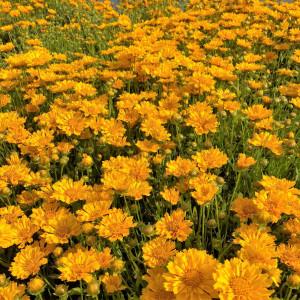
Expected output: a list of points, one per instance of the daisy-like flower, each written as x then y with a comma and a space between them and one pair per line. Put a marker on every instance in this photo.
116, 225
173, 226
180, 167
290, 255
204, 192
22, 231
69, 191
158, 251
190, 275
238, 279
257, 112
112, 283
171, 195
5, 237
13, 291
209, 159
61, 228
245, 162
79, 264
155, 288
27, 262
10, 213
93, 211
267, 140
244, 208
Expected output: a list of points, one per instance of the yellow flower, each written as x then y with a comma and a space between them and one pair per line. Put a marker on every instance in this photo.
69, 191
244, 208
79, 264
27, 262
241, 280
61, 228
155, 289
116, 225
174, 227
190, 275
112, 283
22, 231
209, 159
245, 162
5, 237
158, 251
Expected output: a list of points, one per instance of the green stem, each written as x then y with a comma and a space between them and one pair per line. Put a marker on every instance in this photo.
81, 290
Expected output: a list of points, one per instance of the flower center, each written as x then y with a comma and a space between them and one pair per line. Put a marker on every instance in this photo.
173, 226
240, 286
63, 232
193, 278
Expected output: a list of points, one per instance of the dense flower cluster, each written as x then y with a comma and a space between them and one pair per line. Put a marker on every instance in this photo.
149, 150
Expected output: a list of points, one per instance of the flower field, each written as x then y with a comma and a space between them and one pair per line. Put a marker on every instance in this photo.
149, 150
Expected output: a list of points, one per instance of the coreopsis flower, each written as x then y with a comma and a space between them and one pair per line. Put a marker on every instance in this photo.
245, 162
155, 288
290, 255
112, 283
27, 262
190, 275
171, 195
204, 192
257, 112
7, 47
293, 226
209, 159
10, 213
272, 183
12, 290
85, 89
264, 257
237, 279
49, 210
147, 146
273, 202
93, 211
245, 208
116, 225
200, 117
79, 264
153, 127
22, 231
5, 237
180, 167
202, 82
61, 228
267, 140
158, 251
173, 226
248, 234
69, 191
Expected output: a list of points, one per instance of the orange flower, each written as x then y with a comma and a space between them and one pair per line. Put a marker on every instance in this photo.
245, 162
173, 226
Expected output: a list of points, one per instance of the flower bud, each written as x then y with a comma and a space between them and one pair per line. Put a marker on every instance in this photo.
117, 265
2, 280
35, 285
293, 281
61, 290
148, 230
93, 288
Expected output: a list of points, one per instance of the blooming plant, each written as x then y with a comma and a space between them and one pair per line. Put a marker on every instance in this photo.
149, 150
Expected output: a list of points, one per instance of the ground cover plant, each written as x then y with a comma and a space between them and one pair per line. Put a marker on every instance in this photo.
149, 150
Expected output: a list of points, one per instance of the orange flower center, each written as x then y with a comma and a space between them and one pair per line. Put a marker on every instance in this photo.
240, 286
193, 278
63, 232
173, 226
